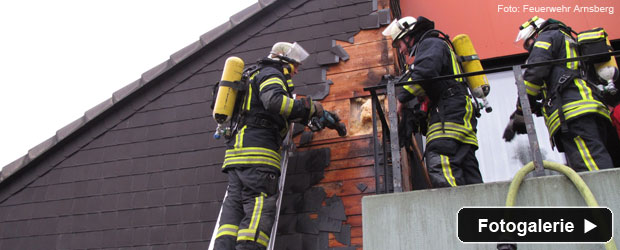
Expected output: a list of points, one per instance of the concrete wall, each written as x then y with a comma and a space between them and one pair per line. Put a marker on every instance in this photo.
427, 219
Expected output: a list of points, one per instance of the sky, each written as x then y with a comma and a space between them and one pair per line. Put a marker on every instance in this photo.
60, 58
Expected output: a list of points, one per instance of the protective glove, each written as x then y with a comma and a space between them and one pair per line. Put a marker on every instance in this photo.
516, 125
536, 107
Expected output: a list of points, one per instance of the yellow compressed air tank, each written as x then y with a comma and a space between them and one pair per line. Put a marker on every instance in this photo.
479, 84
608, 71
227, 92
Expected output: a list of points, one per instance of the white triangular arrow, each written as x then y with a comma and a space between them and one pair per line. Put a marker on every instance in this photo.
587, 226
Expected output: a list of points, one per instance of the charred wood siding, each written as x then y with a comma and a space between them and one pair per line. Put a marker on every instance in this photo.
352, 157
144, 170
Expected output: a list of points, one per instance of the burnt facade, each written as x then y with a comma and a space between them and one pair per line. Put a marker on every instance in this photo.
142, 170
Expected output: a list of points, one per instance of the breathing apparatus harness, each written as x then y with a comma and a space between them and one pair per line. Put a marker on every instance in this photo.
238, 116
421, 109
567, 75
451, 91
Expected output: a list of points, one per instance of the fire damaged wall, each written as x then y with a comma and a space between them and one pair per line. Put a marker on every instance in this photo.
142, 170
308, 215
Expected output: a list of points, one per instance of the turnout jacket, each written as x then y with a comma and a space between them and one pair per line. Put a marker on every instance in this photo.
560, 85
268, 108
451, 113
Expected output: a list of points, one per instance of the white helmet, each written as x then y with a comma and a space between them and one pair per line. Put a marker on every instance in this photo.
528, 28
288, 51
399, 27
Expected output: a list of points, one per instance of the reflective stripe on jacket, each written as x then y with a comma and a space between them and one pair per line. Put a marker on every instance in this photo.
560, 84
268, 108
435, 58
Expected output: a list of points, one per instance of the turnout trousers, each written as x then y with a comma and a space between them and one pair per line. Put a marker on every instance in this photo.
451, 163
248, 212
590, 144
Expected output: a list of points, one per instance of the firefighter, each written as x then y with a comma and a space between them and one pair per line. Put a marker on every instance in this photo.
252, 160
451, 132
577, 120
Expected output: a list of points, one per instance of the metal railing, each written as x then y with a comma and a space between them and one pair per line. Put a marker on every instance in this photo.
390, 133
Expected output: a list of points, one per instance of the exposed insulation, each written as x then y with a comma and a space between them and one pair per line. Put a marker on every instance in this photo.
360, 121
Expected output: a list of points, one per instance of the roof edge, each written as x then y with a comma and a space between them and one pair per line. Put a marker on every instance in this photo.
126, 91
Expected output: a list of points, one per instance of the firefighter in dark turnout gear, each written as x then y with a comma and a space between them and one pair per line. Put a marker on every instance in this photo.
577, 120
252, 159
451, 132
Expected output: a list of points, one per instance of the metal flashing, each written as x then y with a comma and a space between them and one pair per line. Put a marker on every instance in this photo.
246, 13
42, 147
70, 128
184, 53
156, 71
100, 108
265, 3
213, 34
126, 91
13, 167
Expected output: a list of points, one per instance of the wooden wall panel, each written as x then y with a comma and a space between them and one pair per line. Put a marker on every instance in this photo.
363, 56
349, 186
351, 84
352, 161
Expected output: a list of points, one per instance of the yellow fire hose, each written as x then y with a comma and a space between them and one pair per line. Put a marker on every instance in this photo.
587, 195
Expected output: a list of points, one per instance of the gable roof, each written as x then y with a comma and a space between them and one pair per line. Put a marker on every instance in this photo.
143, 169
124, 92
312, 75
